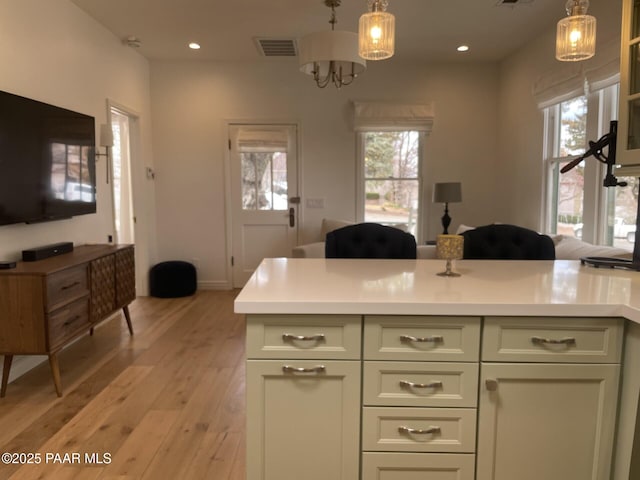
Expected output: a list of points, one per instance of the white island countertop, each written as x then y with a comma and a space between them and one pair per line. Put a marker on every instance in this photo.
411, 287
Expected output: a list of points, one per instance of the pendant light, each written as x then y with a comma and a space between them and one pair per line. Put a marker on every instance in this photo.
331, 56
376, 37
576, 34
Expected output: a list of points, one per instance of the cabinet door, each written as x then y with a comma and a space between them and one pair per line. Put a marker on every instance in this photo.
546, 421
628, 148
303, 425
103, 291
125, 277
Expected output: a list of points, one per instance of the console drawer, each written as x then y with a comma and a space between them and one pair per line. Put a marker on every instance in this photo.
418, 338
561, 340
304, 336
398, 429
66, 285
67, 321
414, 384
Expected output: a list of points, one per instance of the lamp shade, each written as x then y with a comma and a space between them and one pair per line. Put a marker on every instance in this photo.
448, 192
376, 35
106, 135
336, 46
576, 34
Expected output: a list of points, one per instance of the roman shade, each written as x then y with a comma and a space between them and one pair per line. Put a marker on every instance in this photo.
381, 116
569, 80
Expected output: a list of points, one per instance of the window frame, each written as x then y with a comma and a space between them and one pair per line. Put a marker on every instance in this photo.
360, 175
602, 107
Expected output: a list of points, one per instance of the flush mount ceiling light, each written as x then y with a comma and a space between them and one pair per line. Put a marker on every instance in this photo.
194, 46
463, 48
377, 32
576, 34
331, 56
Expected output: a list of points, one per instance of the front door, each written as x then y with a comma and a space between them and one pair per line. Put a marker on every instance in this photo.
264, 195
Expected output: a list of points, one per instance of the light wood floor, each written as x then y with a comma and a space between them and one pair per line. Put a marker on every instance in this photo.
167, 403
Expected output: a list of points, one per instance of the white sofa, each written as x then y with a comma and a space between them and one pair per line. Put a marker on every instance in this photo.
567, 248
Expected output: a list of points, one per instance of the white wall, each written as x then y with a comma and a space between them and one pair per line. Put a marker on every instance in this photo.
53, 52
192, 102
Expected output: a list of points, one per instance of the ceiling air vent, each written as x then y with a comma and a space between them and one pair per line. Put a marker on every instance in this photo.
276, 47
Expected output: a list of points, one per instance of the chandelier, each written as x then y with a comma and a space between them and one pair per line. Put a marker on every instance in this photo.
331, 56
576, 34
377, 31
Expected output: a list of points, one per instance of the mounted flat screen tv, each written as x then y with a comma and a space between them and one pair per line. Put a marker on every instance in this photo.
47, 161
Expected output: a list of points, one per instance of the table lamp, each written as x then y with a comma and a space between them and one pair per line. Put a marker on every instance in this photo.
449, 247
449, 192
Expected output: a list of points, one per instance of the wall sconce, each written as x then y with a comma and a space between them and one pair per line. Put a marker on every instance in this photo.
106, 140
576, 34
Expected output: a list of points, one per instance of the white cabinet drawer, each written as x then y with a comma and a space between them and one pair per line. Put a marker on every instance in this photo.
418, 338
563, 340
414, 384
304, 336
413, 466
401, 429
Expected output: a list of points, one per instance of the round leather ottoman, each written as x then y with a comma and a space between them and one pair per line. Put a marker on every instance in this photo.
172, 279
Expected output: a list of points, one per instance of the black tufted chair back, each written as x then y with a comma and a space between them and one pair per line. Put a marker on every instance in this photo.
369, 240
507, 242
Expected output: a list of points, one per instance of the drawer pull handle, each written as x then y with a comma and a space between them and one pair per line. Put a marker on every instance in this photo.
418, 431
71, 285
303, 338
569, 341
431, 339
436, 384
290, 369
71, 320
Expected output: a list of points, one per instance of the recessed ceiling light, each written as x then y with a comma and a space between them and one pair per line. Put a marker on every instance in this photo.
194, 46
463, 48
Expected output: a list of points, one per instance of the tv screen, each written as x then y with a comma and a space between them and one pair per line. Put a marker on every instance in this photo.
47, 161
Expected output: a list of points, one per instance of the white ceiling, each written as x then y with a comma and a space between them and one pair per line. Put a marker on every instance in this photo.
426, 30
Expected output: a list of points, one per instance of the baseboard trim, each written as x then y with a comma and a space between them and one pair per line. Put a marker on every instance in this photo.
214, 285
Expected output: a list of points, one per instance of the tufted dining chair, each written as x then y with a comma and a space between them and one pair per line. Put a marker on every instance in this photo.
369, 240
507, 242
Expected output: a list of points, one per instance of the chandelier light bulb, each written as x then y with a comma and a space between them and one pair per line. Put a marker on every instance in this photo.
375, 33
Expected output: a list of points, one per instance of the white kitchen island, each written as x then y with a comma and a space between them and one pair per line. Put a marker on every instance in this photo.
380, 369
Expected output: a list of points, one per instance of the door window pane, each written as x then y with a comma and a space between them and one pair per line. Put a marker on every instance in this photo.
264, 180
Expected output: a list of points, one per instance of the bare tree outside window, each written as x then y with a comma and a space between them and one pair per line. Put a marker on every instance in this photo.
391, 180
264, 180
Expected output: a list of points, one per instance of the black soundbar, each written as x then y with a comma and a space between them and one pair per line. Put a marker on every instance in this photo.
46, 251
